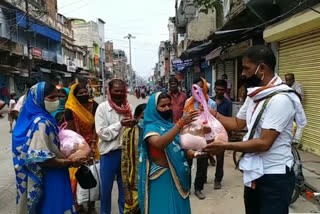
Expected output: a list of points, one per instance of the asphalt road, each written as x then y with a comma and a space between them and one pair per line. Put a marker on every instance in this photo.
228, 200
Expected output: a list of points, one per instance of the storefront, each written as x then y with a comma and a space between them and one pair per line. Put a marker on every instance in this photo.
227, 63
298, 38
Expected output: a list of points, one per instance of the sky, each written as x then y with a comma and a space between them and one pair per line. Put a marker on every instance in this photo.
147, 20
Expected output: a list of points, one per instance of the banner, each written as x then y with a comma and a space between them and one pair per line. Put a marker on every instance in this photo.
180, 65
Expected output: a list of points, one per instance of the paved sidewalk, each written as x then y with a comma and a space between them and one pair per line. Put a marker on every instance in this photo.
311, 170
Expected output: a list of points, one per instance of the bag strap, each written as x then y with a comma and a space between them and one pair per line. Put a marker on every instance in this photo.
254, 127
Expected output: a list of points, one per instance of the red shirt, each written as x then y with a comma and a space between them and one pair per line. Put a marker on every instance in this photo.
177, 103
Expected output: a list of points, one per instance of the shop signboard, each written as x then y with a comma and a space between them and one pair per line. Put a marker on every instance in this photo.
71, 66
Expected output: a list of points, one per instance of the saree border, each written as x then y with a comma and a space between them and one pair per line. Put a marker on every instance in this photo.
149, 134
183, 193
146, 194
157, 174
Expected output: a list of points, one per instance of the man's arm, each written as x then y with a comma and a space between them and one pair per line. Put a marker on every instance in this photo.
261, 144
229, 123
278, 116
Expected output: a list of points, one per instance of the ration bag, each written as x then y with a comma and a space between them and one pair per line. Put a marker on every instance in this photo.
72, 145
205, 129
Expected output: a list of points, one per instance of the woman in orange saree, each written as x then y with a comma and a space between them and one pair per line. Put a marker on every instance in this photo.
79, 115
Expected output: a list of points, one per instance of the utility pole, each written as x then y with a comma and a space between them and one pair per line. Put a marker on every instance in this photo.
28, 38
129, 37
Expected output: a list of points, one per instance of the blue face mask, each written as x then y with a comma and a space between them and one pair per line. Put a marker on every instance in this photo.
62, 102
140, 124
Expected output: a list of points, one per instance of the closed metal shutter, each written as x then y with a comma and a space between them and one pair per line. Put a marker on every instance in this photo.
301, 55
220, 71
229, 70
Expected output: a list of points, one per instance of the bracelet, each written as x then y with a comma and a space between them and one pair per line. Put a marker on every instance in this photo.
180, 123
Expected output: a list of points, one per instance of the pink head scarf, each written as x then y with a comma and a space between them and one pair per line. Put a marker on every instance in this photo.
125, 108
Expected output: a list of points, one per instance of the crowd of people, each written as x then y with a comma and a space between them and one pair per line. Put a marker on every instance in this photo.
141, 149
141, 92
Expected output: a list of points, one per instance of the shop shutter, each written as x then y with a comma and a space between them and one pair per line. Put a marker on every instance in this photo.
220, 71
301, 55
229, 70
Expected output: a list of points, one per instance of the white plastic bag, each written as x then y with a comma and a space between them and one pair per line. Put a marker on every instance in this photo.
86, 195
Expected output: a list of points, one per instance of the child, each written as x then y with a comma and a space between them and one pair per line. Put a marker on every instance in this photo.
12, 116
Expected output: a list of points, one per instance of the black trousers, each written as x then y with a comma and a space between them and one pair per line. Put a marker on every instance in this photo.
202, 169
272, 194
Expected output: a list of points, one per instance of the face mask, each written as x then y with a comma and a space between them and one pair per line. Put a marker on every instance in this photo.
51, 106
83, 99
254, 80
220, 96
140, 124
167, 115
62, 101
117, 98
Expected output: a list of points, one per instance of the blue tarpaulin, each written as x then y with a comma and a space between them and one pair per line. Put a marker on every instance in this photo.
38, 28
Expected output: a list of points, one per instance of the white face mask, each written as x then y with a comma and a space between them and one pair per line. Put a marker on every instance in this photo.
51, 106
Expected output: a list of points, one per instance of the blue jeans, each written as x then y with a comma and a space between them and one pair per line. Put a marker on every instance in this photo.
272, 194
110, 166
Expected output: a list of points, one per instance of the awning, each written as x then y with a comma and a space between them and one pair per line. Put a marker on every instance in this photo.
65, 74
24, 73
45, 70
9, 69
38, 27
198, 51
217, 39
82, 72
298, 24
214, 54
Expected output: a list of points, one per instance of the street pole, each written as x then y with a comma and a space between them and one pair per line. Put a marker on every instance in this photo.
28, 38
103, 83
129, 37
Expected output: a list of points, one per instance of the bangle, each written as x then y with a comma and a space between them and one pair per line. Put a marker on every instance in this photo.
180, 123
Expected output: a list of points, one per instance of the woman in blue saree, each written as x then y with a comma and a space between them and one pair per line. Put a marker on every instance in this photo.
42, 177
163, 181
63, 97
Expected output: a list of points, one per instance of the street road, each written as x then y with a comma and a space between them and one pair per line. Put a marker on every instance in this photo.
228, 200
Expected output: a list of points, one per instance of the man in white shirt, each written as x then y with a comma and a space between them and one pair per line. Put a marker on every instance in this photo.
111, 116
291, 82
267, 164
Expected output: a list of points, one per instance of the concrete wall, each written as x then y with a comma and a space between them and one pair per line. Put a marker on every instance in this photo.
51, 6
201, 27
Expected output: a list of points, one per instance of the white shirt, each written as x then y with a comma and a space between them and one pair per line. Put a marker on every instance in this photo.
298, 88
278, 115
11, 104
19, 104
108, 128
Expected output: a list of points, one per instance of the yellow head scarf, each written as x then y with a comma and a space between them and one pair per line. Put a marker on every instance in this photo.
190, 105
75, 106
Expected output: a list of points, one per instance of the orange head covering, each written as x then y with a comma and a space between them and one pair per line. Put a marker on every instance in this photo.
190, 105
75, 106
